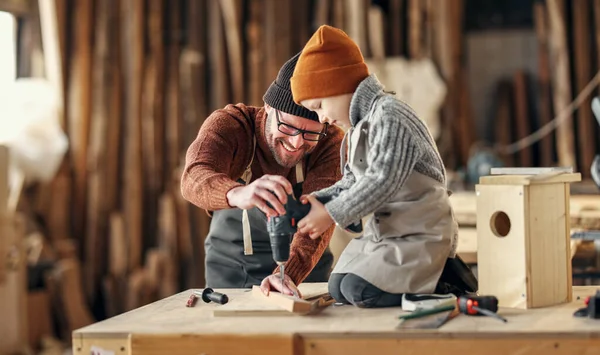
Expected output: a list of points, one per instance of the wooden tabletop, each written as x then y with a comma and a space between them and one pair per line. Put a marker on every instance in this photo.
168, 326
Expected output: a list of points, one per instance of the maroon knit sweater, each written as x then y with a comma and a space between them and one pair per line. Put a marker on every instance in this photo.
222, 151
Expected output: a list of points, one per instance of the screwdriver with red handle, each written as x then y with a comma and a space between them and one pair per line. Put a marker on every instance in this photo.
479, 305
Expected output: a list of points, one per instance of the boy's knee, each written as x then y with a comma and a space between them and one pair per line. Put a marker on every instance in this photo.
334, 286
358, 291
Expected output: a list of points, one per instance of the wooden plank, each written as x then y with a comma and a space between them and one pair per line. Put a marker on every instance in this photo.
549, 238
17, 7
4, 168
133, 59
540, 16
232, 13
529, 179
115, 136
79, 108
497, 276
13, 290
173, 119
528, 170
582, 56
357, 11
97, 215
395, 20
219, 94
288, 303
521, 116
561, 81
256, 57
503, 120
415, 19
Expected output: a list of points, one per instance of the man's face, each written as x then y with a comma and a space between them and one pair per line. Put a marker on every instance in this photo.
288, 149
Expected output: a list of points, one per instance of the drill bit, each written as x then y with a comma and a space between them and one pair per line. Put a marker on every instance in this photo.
281, 274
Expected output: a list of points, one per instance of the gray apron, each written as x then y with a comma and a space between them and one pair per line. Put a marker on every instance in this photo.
238, 250
407, 241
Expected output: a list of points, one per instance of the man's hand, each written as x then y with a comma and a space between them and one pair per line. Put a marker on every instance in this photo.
273, 282
268, 188
317, 220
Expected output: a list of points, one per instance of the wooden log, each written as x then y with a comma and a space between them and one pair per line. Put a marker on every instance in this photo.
561, 81
582, 55
133, 59
545, 97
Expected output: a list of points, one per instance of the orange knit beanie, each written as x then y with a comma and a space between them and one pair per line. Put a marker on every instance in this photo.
331, 64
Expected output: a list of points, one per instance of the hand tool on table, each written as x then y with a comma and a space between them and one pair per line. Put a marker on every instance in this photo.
207, 295
592, 307
479, 305
282, 228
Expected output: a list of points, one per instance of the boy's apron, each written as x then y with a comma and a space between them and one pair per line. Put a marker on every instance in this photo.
407, 241
238, 249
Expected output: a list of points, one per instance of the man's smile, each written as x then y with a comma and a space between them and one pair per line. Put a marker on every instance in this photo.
288, 147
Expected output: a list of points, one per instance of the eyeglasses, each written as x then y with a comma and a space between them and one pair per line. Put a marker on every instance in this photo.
293, 131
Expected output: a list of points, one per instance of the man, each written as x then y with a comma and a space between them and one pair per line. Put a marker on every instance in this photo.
241, 167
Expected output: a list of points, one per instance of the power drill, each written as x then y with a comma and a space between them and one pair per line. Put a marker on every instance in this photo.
282, 228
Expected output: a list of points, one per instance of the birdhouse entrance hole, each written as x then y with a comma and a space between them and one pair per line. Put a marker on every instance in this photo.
500, 224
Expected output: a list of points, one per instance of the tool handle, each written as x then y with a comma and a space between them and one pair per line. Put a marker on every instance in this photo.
470, 304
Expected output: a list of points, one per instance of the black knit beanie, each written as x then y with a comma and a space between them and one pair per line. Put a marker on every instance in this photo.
279, 94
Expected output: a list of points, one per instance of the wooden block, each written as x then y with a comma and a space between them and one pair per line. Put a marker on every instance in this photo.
529, 170
288, 303
523, 240
545, 178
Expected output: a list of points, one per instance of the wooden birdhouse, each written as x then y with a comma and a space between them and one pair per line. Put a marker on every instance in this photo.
523, 236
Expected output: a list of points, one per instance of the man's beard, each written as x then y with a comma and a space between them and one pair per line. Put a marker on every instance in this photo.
274, 144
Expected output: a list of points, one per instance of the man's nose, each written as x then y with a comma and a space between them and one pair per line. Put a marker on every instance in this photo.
297, 141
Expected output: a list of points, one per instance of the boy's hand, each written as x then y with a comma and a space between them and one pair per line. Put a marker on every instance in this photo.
317, 220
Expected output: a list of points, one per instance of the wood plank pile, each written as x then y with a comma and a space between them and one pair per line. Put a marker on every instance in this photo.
138, 77
568, 47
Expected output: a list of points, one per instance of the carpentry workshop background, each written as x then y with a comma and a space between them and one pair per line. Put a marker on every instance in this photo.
110, 93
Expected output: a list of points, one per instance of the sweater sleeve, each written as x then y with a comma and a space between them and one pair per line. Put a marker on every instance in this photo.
394, 151
324, 171
217, 155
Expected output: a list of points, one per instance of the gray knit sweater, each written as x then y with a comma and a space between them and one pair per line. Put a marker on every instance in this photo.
399, 143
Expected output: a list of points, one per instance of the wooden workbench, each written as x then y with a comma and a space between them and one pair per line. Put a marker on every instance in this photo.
169, 327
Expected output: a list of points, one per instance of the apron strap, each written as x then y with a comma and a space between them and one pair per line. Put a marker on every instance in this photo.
246, 233
299, 173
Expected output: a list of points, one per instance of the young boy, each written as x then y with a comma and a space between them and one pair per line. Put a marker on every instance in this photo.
393, 175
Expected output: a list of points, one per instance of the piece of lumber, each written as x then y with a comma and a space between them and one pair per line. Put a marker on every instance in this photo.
97, 215
582, 57
544, 178
288, 303
173, 118
415, 20
561, 81
503, 121
257, 82
395, 28
133, 61
219, 93
528, 170
521, 116
232, 13
357, 24
13, 290
80, 92
540, 16
39, 317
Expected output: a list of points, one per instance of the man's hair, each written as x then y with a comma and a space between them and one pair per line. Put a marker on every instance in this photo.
279, 94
